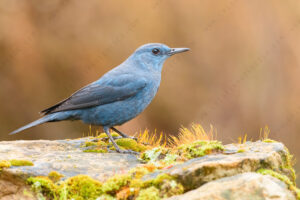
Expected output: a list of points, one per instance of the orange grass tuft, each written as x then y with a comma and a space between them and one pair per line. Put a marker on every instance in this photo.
187, 136
153, 139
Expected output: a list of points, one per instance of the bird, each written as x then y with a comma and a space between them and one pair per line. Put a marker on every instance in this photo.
118, 96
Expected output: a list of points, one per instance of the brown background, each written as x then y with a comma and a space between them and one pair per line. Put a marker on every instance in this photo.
241, 74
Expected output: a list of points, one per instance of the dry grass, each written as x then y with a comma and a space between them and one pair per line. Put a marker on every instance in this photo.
152, 139
264, 133
187, 136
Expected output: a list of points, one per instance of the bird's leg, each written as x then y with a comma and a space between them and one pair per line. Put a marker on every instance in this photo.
122, 134
106, 130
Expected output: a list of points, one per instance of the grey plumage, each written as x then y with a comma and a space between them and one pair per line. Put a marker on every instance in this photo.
118, 96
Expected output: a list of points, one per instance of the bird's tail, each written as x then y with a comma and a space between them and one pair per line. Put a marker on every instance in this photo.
47, 118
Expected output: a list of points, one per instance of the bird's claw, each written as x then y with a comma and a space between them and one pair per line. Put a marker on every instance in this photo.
132, 137
128, 152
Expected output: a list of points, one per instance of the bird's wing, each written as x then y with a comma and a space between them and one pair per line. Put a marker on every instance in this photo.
97, 94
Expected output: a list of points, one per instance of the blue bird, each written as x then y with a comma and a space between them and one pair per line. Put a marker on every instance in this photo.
118, 96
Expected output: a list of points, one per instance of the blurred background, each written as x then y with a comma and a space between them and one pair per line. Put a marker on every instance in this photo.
241, 74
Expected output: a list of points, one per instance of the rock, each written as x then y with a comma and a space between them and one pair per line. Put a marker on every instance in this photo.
249, 157
246, 186
66, 157
63, 156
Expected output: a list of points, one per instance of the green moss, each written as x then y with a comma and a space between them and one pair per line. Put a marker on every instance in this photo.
103, 144
291, 185
128, 143
95, 147
157, 181
136, 183
95, 150
200, 148
138, 172
287, 165
106, 197
89, 143
114, 183
55, 176
126, 186
149, 193
44, 186
166, 184
103, 135
21, 162
80, 187
4, 164
170, 188
269, 140
241, 150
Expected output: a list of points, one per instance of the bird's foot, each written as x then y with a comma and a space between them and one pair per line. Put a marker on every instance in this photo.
128, 152
105, 139
131, 137
123, 134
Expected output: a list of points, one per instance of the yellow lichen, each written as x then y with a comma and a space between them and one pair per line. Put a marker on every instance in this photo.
15, 162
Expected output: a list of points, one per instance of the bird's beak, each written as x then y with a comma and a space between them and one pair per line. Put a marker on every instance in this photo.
177, 50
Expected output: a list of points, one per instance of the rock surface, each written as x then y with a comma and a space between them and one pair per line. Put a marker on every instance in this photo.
246, 186
63, 156
237, 159
216, 176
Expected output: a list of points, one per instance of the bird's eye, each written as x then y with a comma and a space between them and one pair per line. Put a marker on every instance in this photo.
155, 51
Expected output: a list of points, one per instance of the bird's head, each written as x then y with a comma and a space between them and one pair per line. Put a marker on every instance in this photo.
153, 55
